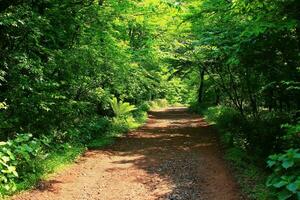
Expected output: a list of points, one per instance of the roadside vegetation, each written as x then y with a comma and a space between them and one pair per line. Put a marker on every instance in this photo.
246, 54
75, 74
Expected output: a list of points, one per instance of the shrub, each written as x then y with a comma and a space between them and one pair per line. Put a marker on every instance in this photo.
123, 120
94, 128
285, 179
162, 103
197, 108
120, 108
140, 114
292, 136
16, 159
145, 107
153, 105
225, 117
176, 104
158, 103
264, 133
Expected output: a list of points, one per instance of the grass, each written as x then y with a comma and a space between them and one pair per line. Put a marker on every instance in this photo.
158, 104
178, 105
249, 176
101, 142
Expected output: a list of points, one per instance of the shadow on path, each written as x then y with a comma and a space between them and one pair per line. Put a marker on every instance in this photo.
182, 149
175, 156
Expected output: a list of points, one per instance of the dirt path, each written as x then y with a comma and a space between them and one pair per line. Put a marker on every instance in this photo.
174, 157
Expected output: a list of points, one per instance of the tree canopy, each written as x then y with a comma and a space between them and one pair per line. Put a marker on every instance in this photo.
63, 63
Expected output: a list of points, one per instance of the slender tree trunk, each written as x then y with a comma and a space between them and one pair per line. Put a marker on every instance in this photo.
201, 86
217, 100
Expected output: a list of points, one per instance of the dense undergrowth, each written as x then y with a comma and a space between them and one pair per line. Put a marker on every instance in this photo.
261, 175
75, 74
26, 160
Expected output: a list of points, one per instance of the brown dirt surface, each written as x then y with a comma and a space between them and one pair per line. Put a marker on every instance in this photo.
175, 156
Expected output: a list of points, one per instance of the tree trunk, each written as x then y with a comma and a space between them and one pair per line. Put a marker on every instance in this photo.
217, 100
201, 86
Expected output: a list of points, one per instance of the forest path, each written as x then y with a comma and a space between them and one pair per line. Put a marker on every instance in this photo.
175, 156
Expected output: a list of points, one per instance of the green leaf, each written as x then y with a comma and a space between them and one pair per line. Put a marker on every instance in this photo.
298, 195
280, 184
271, 163
283, 195
287, 164
2, 143
292, 187
5, 159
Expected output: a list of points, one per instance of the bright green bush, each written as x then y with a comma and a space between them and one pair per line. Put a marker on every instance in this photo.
158, 103
121, 108
162, 103
153, 105
126, 116
285, 178
16, 159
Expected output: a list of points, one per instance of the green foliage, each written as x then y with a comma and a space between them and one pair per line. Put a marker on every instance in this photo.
256, 137
250, 177
241, 55
285, 178
61, 62
64, 64
56, 160
145, 107
121, 109
225, 117
159, 103
292, 137
16, 159
233, 130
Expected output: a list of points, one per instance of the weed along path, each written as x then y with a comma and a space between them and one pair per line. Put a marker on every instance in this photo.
175, 156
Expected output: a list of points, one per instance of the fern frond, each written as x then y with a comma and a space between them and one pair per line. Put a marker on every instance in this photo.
121, 108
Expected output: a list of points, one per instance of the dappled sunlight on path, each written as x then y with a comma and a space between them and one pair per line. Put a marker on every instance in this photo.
175, 156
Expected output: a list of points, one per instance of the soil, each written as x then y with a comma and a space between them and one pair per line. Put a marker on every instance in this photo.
175, 156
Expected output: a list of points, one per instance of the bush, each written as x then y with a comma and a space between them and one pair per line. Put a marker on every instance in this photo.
124, 116
16, 159
264, 133
95, 128
140, 114
153, 105
121, 109
158, 103
145, 107
292, 137
231, 124
225, 117
162, 103
285, 178
260, 135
